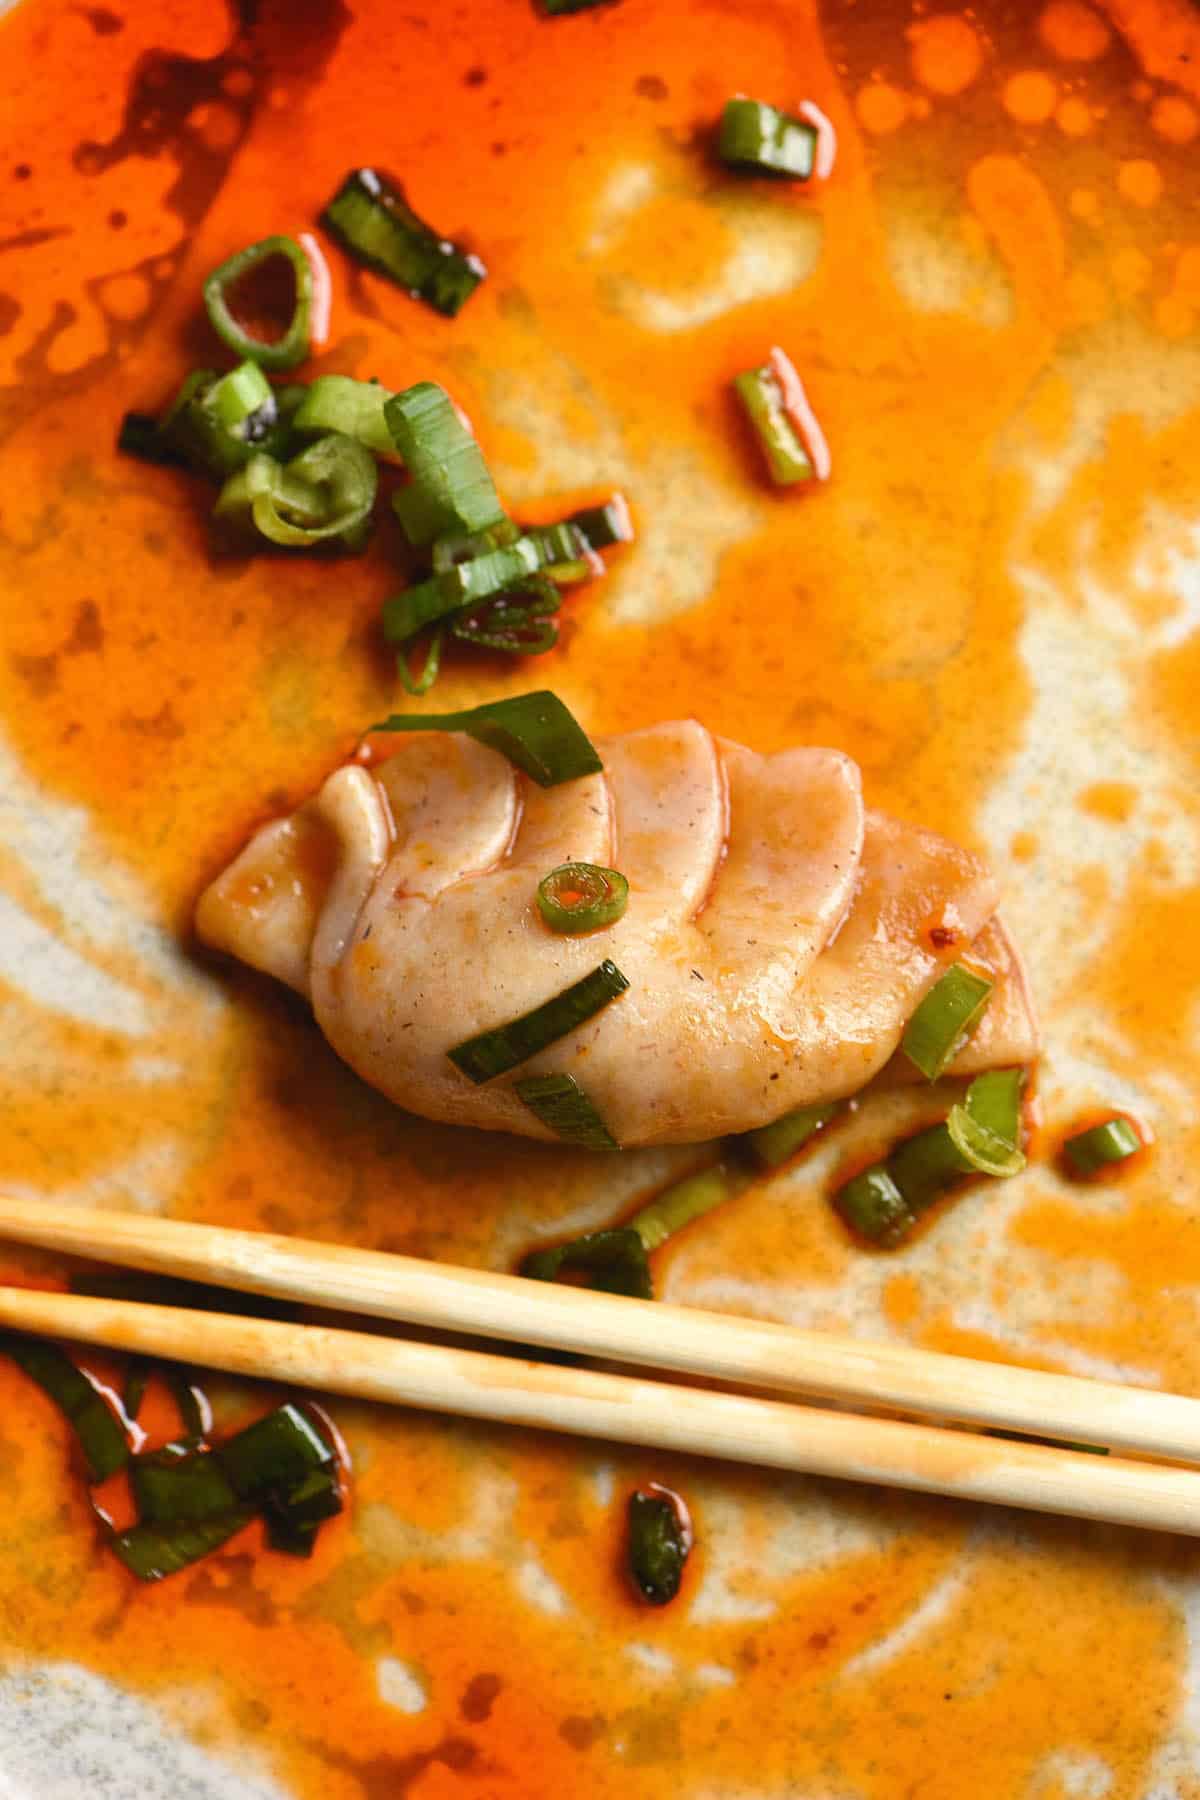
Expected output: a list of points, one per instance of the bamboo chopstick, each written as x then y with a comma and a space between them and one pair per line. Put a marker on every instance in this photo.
746, 1352
624, 1409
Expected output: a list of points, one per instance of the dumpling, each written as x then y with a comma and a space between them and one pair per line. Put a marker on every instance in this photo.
777, 938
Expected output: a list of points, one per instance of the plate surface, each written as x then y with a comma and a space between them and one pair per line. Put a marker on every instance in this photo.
993, 605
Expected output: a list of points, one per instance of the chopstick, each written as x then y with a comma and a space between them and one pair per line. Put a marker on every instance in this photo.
630, 1410
719, 1347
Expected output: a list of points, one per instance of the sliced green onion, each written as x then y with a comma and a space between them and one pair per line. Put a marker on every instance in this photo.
557, 9
994, 1101
872, 1205
534, 731
101, 1438
354, 408
517, 623
761, 139
982, 1152
581, 896
326, 492
215, 423
686, 1200
945, 1019
292, 347
494, 1052
371, 218
151, 1552
421, 684
560, 543
786, 427
274, 1454
615, 1261
611, 523
293, 1518
190, 1403
134, 1392
462, 546
565, 1109
772, 1144
1102, 1145
177, 1485
660, 1540
451, 489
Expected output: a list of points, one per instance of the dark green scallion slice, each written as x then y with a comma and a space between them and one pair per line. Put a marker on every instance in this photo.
491, 1053
178, 1485
292, 347
581, 896
764, 141
214, 425
152, 1552
1102, 1146
559, 9
295, 1516
353, 408
141, 435
772, 1144
517, 623
451, 490
945, 1019
462, 546
872, 1205
603, 525
192, 1407
563, 1106
534, 731
660, 1539
686, 1200
137, 1378
614, 1261
274, 1454
786, 453
101, 1437
370, 216
325, 492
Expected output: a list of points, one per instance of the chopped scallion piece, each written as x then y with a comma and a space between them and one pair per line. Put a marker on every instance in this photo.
294, 1517
772, 1144
565, 1109
371, 218
872, 1205
784, 422
462, 546
982, 1152
101, 1438
292, 346
191, 1404
686, 1200
175, 1485
451, 489
141, 435
615, 1261
421, 684
326, 492
611, 523
215, 424
994, 1101
945, 1019
581, 896
557, 9
134, 1392
660, 1539
153, 1551
517, 623
534, 731
494, 1052
1102, 1145
764, 141
274, 1454
355, 408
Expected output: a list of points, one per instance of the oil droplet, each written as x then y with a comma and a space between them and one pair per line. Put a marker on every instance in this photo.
1087, 300
126, 297
1085, 204
946, 53
1110, 800
1175, 119
1073, 31
1024, 846
1074, 117
1030, 97
881, 108
1131, 272
1139, 182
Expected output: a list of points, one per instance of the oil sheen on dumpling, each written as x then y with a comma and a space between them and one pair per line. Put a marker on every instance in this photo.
777, 938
